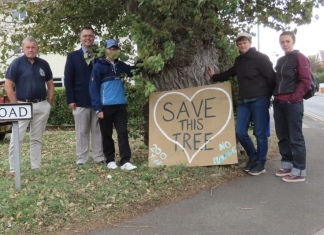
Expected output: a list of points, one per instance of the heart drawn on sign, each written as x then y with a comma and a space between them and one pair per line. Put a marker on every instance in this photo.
190, 99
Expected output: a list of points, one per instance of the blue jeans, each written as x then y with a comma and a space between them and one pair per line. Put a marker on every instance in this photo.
288, 122
258, 111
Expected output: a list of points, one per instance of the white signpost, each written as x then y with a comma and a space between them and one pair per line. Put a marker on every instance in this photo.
14, 113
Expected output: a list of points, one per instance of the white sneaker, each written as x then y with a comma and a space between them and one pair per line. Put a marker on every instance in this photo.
112, 165
128, 166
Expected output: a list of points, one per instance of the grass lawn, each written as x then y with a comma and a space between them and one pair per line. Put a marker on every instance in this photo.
63, 198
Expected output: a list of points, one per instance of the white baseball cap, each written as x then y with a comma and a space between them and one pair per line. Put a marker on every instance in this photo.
245, 35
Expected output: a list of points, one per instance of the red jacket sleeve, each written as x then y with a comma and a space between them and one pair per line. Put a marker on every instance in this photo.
304, 76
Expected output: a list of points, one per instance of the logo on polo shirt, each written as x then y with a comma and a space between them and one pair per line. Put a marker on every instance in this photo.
41, 72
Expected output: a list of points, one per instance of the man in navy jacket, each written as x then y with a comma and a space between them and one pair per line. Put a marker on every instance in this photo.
77, 74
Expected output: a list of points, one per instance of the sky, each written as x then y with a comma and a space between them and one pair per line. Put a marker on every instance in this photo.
309, 38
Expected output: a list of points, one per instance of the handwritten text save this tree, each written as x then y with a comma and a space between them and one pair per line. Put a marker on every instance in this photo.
192, 127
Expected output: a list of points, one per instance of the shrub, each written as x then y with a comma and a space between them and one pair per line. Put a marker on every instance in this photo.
61, 115
319, 77
136, 101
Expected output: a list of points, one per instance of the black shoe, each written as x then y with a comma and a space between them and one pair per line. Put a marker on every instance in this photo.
257, 169
249, 165
103, 162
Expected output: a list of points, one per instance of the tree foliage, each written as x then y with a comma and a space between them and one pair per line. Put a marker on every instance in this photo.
175, 39
315, 64
168, 34
317, 68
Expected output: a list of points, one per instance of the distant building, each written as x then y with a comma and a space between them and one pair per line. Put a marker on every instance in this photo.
56, 62
320, 57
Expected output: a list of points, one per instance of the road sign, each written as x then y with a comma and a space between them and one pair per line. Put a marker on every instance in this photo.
16, 112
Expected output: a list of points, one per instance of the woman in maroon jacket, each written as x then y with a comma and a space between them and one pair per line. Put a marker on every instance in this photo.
293, 78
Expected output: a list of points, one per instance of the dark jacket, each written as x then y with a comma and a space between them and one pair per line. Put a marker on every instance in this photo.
76, 79
293, 77
255, 74
106, 86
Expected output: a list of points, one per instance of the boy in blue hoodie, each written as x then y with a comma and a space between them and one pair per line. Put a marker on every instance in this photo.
108, 99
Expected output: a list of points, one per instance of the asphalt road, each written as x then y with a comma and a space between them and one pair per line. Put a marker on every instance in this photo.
250, 205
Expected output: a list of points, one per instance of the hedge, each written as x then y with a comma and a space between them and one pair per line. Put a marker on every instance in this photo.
61, 115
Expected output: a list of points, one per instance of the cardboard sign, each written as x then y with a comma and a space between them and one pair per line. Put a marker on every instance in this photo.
192, 127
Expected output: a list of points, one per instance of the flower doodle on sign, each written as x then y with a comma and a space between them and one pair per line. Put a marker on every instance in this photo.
195, 123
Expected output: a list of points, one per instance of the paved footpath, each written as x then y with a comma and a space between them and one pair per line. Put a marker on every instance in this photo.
250, 205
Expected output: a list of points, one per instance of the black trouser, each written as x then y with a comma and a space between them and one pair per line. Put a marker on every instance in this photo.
115, 115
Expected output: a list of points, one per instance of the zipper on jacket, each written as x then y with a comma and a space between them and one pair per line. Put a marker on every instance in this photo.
281, 71
114, 69
103, 88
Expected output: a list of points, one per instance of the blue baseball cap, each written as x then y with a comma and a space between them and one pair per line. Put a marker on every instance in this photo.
111, 43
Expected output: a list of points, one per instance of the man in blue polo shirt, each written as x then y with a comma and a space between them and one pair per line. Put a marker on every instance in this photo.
30, 75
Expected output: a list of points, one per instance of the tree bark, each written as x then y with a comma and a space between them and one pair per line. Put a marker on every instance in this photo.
195, 74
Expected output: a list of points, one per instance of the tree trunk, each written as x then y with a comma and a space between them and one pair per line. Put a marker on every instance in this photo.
177, 75
185, 73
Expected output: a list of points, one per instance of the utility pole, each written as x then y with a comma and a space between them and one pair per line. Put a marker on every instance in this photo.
258, 30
